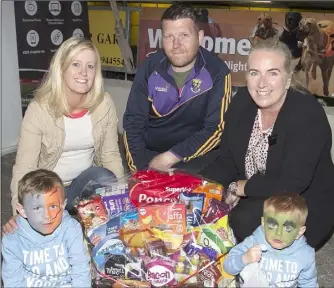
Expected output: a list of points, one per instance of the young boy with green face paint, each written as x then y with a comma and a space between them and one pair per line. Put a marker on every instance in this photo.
277, 248
47, 249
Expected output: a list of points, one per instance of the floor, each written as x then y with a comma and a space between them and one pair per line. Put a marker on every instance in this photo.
324, 257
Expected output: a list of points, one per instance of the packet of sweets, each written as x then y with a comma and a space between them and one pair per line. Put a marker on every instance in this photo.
172, 240
192, 249
210, 276
225, 232
117, 203
151, 187
210, 190
104, 247
135, 238
216, 210
115, 265
134, 270
124, 267
92, 212
155, 247
191, 236
160, 272
187, 264
216, 236
108, 245
109, 229
194, 206
184, 270
129, 220
170, 217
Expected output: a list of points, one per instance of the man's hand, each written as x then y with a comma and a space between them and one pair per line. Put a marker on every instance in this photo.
252, 255
164, 161
10, 226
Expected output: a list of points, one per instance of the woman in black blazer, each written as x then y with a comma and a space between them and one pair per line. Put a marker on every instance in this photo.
276, 140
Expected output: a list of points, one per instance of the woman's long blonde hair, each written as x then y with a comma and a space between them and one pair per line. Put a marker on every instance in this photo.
52, 89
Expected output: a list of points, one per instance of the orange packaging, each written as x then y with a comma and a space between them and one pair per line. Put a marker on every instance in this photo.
164, 217
211, 190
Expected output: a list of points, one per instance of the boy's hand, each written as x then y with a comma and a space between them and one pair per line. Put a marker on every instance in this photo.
10, 226
252, 255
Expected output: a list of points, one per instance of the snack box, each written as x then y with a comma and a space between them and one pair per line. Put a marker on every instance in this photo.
164, 217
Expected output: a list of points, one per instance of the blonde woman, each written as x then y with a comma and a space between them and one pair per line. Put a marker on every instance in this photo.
71, 125
276, 140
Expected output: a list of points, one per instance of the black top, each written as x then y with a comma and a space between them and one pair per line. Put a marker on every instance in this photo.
298, 159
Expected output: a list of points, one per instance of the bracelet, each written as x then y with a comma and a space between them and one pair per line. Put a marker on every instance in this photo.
233, 188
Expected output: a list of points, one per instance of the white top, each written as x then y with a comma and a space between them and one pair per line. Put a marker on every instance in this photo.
78, 151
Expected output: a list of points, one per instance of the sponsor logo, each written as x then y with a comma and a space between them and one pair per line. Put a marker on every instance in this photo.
161, 89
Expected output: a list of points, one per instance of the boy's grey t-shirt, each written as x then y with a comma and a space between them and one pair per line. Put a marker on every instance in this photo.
57, 260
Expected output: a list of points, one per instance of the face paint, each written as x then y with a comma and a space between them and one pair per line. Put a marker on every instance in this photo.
281, 229
44, 211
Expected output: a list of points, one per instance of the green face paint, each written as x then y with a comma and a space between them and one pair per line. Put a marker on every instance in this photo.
281, 229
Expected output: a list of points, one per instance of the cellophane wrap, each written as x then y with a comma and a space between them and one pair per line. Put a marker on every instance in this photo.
157, 229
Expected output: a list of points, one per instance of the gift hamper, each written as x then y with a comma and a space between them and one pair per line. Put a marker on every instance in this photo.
157, 229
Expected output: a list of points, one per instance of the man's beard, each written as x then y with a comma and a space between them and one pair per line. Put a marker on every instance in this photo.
182, 61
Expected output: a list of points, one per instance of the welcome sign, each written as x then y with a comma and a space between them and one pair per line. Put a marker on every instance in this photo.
228, 34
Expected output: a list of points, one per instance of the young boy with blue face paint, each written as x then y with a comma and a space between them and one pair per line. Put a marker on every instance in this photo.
277, 249
47, 249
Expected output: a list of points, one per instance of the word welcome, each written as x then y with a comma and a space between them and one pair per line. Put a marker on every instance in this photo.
220, 45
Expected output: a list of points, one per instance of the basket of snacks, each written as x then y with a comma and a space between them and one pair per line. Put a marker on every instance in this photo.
158, 229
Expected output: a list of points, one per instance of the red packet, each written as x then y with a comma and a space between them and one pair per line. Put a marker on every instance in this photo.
92, 212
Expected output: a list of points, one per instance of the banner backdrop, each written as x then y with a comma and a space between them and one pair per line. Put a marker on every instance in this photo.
228, 34
102, 30
41, 27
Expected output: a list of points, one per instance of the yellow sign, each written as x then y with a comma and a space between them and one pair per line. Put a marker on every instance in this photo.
102, 28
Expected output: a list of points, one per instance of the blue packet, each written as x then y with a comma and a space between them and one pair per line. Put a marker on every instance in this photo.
194, 206
129, 220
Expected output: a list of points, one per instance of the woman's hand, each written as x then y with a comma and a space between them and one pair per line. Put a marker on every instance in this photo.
10, 226
232, 200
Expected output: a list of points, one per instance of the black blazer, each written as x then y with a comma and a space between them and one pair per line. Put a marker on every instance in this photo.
298, 159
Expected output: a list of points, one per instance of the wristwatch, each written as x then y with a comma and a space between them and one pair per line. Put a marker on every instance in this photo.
233, 188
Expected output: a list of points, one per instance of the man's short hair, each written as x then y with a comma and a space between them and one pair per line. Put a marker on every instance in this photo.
287, 203
181, 11
40, 181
